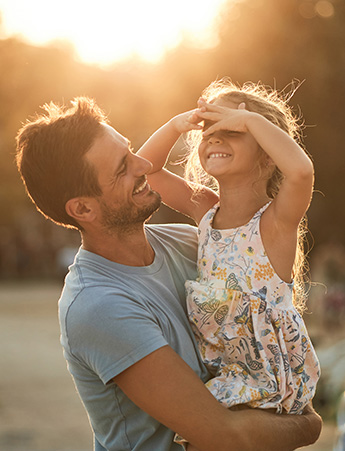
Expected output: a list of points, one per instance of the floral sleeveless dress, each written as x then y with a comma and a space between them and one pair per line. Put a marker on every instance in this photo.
250, 336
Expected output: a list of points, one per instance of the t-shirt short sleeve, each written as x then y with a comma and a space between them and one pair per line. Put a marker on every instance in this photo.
108, 331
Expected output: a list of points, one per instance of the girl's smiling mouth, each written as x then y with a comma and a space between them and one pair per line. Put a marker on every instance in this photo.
219, 155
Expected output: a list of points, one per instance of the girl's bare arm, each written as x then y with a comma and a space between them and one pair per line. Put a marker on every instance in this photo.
175, 191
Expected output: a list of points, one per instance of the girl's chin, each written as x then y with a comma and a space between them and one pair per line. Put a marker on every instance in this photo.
217, 172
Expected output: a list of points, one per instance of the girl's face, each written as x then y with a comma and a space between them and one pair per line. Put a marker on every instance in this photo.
226, 153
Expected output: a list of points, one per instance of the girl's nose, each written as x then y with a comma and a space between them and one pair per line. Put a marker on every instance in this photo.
215, 139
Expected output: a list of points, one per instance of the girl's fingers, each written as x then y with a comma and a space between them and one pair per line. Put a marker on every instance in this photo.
211, 106
193, 121
194, 117
194, 126
211, 129
210, 116
201, 101
242, 106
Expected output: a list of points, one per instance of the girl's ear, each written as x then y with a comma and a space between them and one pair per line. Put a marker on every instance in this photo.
82, 209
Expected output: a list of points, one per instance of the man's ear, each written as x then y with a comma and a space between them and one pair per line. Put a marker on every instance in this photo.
82, 209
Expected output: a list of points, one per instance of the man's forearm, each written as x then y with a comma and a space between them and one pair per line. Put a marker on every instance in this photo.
268, 431
173, 394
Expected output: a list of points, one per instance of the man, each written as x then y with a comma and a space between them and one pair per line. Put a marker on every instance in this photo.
123, 324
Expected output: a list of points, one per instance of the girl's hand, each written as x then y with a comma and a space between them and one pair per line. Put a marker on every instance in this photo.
223, 118
186, 122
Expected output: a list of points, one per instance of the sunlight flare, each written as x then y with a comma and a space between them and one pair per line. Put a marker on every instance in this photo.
106, 31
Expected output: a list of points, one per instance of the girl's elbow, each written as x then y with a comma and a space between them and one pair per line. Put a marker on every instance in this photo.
310, 168
304, 173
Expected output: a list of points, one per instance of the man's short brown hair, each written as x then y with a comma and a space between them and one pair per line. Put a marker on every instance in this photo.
50, 157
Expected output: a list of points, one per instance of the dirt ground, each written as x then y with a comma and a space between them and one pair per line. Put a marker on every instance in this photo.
39, 407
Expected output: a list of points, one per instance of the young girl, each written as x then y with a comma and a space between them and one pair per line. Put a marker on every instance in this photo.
244, 306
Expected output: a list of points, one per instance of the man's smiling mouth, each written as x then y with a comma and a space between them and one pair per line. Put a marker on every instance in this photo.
141, 188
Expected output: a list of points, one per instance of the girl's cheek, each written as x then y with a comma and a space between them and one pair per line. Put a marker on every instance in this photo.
201, 154
202, 148
203, 160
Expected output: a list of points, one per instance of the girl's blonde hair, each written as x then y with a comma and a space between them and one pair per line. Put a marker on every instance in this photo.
274, 107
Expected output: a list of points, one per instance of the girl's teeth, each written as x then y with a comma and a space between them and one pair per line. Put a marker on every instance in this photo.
219, 155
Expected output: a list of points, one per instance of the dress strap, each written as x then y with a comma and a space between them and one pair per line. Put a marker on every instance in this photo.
259, 213
264, 208
207, 219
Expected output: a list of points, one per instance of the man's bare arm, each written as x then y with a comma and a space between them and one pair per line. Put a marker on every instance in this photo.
165, 387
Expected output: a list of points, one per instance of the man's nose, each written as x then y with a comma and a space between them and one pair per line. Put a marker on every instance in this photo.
142, 166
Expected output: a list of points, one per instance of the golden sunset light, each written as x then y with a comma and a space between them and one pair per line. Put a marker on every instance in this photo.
106, 31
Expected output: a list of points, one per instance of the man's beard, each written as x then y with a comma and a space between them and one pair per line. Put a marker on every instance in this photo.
125, 219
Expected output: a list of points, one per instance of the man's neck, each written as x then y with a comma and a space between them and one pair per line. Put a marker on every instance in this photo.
127, 248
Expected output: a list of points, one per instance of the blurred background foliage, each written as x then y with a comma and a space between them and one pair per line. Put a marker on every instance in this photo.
275, 42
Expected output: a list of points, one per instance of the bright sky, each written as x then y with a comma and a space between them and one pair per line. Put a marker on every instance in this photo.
103, 31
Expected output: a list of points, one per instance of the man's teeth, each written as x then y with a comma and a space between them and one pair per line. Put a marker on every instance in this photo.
141, 188
219, 155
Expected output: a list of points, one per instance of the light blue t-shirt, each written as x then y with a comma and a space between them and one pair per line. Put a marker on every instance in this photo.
112, 316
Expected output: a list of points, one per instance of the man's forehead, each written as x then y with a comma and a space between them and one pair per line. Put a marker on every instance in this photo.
108, 148
115, 134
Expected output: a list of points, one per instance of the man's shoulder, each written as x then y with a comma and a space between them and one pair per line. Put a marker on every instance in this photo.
173, 231
94, 304
172, 238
